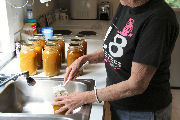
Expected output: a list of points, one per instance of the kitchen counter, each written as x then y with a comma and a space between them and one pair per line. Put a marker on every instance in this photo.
94, 71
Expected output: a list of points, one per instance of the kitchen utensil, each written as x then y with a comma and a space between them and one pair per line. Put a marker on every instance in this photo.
104, 10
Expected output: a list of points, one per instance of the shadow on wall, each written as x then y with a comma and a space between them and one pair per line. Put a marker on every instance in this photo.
175, 66
41, 8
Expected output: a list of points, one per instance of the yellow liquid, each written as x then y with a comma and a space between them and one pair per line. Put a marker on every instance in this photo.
57, 107
38, 50
28, 62
51, 63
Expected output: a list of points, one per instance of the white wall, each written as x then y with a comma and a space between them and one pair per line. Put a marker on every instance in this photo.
16, 20
41, 8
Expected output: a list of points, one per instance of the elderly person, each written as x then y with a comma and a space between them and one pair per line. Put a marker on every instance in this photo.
137, 54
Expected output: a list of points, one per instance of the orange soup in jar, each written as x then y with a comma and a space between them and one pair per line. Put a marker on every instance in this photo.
28, 59
83, 43
38, 50
51, 58
59, 91
62, 44
42, 39
58, 47
73, 53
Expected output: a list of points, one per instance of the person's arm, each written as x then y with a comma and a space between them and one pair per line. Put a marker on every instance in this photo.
141, 75
72, 72
96, 57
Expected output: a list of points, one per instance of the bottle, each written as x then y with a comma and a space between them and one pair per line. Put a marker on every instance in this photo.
28, 59
51, 60
29, 14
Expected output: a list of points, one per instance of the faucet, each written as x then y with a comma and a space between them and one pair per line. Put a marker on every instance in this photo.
30, 80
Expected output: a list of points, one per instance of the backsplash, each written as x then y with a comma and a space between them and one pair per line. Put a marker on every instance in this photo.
41, 8
66, 4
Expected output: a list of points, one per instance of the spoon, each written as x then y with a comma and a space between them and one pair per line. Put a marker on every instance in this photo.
82, 67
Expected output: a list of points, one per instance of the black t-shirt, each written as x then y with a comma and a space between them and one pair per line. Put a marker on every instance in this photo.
147, 35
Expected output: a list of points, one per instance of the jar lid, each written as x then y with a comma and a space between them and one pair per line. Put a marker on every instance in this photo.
29, 9
74, 44
50, 44
80, 35
75, 40
58, 35
33, 39
26, 44
53, 39
38, 35
30, 20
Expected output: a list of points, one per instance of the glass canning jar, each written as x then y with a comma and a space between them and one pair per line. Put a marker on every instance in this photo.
74, 53
37, 49
28, 59
58, 46
51, 60
41, 38
62, 44
83, 43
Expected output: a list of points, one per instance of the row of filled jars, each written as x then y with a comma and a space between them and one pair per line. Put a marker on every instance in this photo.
50, 54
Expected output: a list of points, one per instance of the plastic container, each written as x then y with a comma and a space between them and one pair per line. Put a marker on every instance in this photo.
28, 29
32, 22
47, 32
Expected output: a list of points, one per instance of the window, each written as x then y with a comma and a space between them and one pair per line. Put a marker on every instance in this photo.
174, 3
11, 22
4, 31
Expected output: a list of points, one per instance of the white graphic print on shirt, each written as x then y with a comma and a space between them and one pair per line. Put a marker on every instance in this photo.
126, 32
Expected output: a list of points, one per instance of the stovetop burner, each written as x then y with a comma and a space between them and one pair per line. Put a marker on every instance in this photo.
87, 33
63, 32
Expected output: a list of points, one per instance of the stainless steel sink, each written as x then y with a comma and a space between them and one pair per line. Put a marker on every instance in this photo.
18, 101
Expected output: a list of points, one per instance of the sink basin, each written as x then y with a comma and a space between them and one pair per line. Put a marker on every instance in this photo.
18, 101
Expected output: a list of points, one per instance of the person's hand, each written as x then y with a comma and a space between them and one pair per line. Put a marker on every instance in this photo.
70, 101
72, 72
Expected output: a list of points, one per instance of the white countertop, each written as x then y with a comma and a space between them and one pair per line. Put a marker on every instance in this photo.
94, 71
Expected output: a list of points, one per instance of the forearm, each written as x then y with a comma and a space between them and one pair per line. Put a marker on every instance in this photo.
136, 84
96, 57
114, 92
